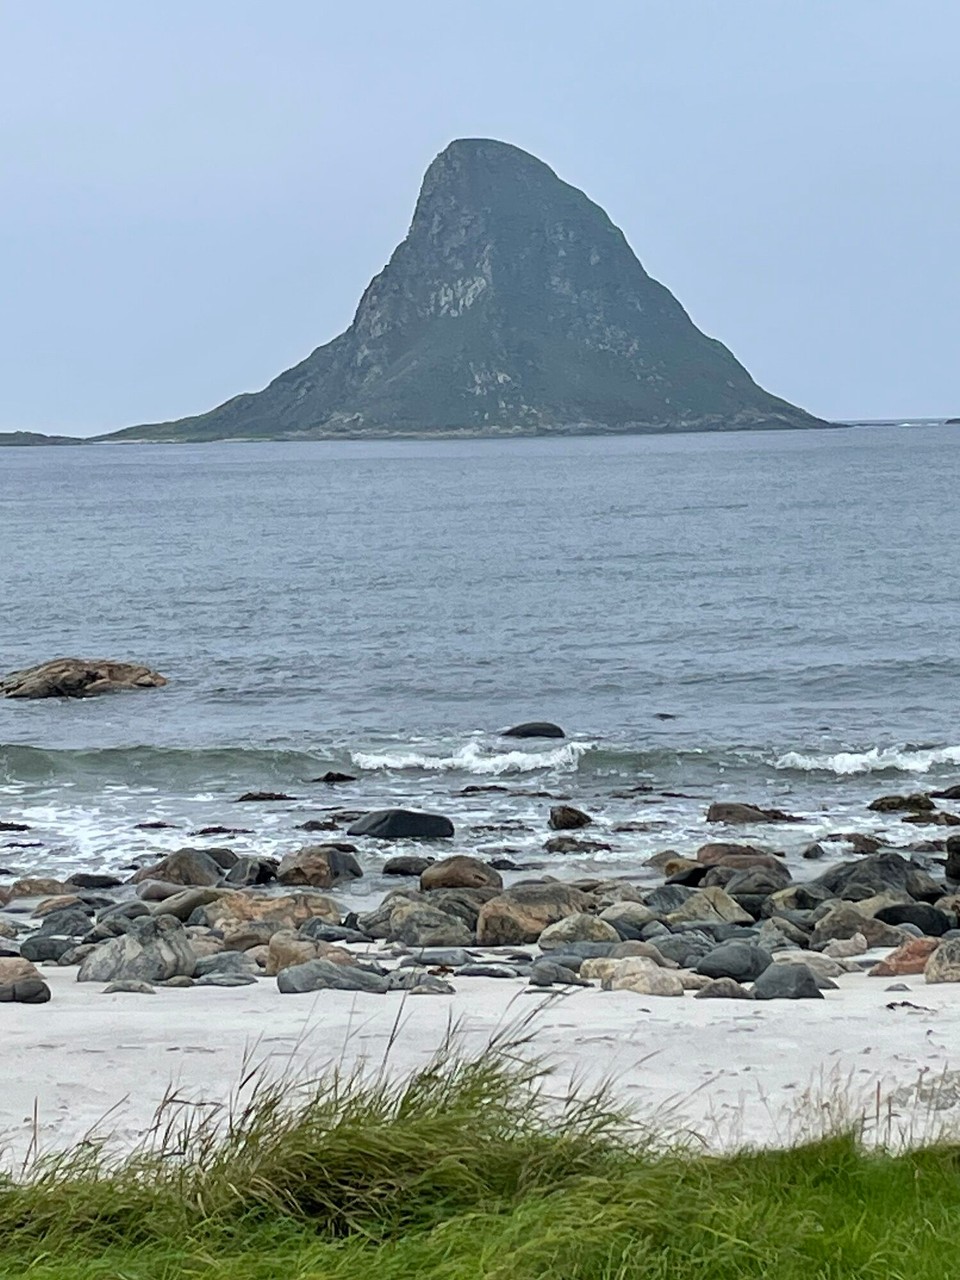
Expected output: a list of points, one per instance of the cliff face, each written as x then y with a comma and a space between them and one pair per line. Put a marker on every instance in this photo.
513, 305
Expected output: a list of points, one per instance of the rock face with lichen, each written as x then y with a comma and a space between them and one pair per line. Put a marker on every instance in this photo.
513, 306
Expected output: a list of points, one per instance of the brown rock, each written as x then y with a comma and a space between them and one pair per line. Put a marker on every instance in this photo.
578, 927
289, 911
844, 920
39, 887
56, 903
723, 989
564, 817
310, 866
938, 819
16, 969
287, 948
460, 872
711, 905
739, 856
78, 678
520, 915
733, 814
917, 802
911, 957
645, 982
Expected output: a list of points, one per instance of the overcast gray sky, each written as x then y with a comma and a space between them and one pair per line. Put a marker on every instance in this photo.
194, 193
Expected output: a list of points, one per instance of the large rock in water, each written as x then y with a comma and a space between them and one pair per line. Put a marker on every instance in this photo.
514, 305
402, 824
78, 678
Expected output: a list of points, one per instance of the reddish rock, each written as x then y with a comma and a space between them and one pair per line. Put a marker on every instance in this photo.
912, 957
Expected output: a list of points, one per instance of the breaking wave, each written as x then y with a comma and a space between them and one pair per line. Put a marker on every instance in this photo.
473, 757
902, 759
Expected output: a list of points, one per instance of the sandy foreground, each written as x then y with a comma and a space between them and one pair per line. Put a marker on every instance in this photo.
732, 1072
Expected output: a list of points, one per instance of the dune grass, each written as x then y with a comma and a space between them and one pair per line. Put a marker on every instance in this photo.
471, 1169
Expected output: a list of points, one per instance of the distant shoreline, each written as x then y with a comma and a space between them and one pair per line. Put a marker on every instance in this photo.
31, 439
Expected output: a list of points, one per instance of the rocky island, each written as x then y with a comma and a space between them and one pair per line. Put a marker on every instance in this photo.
514, 306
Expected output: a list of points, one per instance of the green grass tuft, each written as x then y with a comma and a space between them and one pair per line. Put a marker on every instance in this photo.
470, 1170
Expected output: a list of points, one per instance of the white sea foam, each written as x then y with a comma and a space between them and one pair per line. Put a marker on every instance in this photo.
876, 760
473, 757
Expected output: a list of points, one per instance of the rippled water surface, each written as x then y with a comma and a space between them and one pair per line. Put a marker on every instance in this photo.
790, 599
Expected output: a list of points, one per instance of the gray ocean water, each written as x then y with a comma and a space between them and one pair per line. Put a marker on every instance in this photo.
385, 608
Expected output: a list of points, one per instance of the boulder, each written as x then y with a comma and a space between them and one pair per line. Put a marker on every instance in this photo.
250, 870
953, 858
686, 948
417, 924
289, 911
402, 824
741, 961
25, 991
911, 957
44, 946
758, 881
628, 918
38, 887
320, 866
723, 989
571, 844
287, 948
534, 729
579, 927
333, 776
918, 802
185, 902
721, 853
16, 969
733, 814
869, 875
821, 966
565, 817
129, 986
78, 678
520, 915
938, 819
406, 865
844, 920
943, 964
787, 982
844, 948
928, 919
460, 872
193, 867
547, 973
646, 982
153, 949
712, 904
321, 975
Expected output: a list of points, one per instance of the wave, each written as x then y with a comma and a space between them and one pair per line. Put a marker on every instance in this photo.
473, 757
901, 759
144, 766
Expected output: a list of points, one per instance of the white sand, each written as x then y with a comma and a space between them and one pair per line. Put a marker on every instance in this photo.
732, 1071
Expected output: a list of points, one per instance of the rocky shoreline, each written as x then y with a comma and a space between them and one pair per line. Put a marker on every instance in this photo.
728, 920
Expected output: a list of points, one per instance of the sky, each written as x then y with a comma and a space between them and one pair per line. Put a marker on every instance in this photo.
194, 193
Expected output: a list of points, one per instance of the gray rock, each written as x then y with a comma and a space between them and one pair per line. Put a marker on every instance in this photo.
185, 902
153, 949
448, 957
419, 925
741, 961
406, 865
184, 867
225, 962
25, 991
235, 979
318, 930
667, 898
249, 870
402, 824
545, 973
487, 971
406, 978
687, 948
321, 975
70, 922
787, 982
129, 987
179, 981
565, 817
431, 985
40, 946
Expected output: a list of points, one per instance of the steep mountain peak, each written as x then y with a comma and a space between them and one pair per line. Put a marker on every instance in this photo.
513, 305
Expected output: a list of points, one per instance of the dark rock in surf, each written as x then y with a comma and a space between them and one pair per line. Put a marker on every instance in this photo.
333, 776
186, 867
565, 817
918, 802
731, 813
534, 729
406, 864
262, 797
402, 824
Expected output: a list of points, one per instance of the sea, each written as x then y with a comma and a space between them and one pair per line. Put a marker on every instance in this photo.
764, 617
